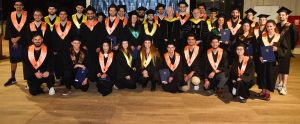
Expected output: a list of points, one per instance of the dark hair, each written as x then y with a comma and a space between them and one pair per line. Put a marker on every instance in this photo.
274, 23
201, 4
37, 10
36, 33
191, 35
224, 25
128, 49
109, 44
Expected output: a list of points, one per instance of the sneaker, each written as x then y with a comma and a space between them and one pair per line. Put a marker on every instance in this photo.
66, 92
283, 91
51, 91
115, 87
196, 88
278, 87
26, 87
10, 82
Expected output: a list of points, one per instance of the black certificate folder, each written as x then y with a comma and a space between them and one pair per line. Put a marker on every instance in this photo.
267, 53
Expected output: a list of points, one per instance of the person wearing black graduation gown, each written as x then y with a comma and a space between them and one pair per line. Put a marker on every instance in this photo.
170, 31
250, 14
106, 69
213, 17
192, 64
92, 33
141, 10
233, 23
76, 61
126, 70
268, 71
148, 63
101, 17
185, 25
261, 28
113, 26
38, 66
15, 33
62, 35
220, 25
242, 74
216, 68
134, 32
79, 17
52, 18
122, 14
174, 63
201, 28
160, 8
290, 37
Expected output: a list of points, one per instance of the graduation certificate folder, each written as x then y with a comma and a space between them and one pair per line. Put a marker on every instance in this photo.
81, 74
225, 35
267, 53
164, 74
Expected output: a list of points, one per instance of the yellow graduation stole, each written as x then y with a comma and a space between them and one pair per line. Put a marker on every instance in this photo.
145, 61
75, 20
171, 20
47, 20
196, 21
128, 58
147, 30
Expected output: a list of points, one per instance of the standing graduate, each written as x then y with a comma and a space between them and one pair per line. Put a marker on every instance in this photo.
76, 63
250, 14
15, 33
216, 67
101, 17
185, 25
192, 63
141, 10
105, 70
52, 18
160, 8
268, 71
290, 37
78, 18
134, 32
62, 36
213, 16
170, 31
202, 9
201, 28
234, 22
113, 26
261, 28
174, 63
126, 69
38, 66
151, 29
148, 63
242, 74
221, 26
92, 33
122, 14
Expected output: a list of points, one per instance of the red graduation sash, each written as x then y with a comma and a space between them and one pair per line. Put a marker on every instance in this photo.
61, 34
182, 21
211, 59
39, 62
266, 42
194, 55
90, 24
17, 25
110, 30
169, 63
104, 67
244, 65
43, 28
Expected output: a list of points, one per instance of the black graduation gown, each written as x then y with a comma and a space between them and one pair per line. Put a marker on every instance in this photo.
12, 32
197, 65
46, 35
152, 69
92, 40
134, 40
223, 66
170, 30
156, 37
105, 86
289, 36
248, 79
248, 41
79, 20
116, 33
177, 75
184, 30
123, 70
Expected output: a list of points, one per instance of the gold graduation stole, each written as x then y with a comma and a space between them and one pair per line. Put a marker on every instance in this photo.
90, 24
42, 57
196, 21
75, 20
171, 20
61, 34
274, 40
128, 58
47, 20
147, 29
104, 66
169, 63
43, 28
190, 59
17, 25
110, 30
182, 21
214, 64
244, 65
146, 62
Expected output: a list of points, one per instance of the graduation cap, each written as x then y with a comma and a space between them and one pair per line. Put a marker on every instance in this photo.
263, 16
150, 11
132, 13
101, 14
160, 5
80, 3
141, 9
250, 10
183, 2
122, 6
284, 9
90, 8
214, 9
246, 20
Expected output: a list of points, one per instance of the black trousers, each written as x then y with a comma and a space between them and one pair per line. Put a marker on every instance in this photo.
58, 65
172, 87
218, 81
104, 87
124, 83
35, 84
242, 88
269, 76
69, 79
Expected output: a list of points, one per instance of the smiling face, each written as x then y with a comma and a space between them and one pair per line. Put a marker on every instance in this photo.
37, 15
246, 27
160, 10
18, 6
215, 43
262, 21
235, 14
52, 10
270, 27
37, 40
283, 16
213, 14
79, 9
182, 7
196, 13
105, 47
125, 44
170, 11
191, 40
76, 44
147, 44
221, 21
112, 11
121, 12
240, 50
171, 48
134, 18
90, 15
63, 16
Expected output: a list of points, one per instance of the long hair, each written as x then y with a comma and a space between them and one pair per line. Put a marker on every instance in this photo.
153, 53
73, 56
129, 51
274, 23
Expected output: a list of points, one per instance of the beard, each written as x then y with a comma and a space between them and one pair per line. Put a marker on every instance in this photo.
234, 17
38, 44
141, 16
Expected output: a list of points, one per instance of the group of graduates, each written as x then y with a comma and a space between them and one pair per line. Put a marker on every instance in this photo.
119, 51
